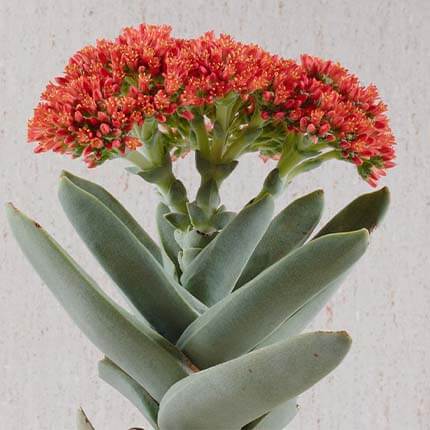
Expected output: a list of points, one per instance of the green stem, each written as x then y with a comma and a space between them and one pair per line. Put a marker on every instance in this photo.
313, 163
212, 175
199, 128
139, 160
291, 165
219, 139
241, 143
170, 188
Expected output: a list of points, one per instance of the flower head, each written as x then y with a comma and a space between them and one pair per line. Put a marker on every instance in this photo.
109, 88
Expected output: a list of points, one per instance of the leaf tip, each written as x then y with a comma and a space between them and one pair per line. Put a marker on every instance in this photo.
10, 207
343, 334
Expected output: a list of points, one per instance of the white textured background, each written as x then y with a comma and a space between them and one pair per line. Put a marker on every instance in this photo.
48, 369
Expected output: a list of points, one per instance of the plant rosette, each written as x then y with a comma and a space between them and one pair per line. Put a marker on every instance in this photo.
212, 335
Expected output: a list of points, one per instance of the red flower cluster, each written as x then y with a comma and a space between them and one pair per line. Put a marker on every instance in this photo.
108, 88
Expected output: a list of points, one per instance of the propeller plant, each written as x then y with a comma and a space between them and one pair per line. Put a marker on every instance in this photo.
212, 337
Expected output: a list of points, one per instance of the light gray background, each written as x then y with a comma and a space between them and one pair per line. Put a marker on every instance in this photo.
48, 369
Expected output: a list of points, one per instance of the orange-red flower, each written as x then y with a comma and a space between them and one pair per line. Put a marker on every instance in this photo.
108, 88
105, 90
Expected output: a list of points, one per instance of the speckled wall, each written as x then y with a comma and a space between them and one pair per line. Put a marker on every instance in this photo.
47, 367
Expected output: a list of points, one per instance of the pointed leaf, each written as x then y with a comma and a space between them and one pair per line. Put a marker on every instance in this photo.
214, 272
288, 230
166, 233
139, 276
115, 206
140, 351
232, 394
365, 211
242, 320
130, 389
277, 419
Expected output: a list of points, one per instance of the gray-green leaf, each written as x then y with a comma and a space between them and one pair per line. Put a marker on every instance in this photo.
365, 211
288, 230
243, 319
232, 394
297, 322
130, 389
119, 210
214, 272
140, 351
136, 272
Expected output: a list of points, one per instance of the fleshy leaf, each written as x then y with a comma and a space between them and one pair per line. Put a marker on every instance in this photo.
277, 419
288, 230
297, 322
119, 210
214, 272
130, 389
140, 351
136, 272
246, 317
365, 211
232, 394
82, 421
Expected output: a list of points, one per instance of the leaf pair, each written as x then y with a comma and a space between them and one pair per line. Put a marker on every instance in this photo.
243, 319
125, 257
366, 211
294, 225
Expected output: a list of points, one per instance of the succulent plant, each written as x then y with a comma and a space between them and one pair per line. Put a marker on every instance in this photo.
212, 337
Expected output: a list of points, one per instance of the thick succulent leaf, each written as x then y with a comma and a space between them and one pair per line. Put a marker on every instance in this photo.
119, 210
242, 320
232, 394
82, 421
130, 389
214, 272
167, 238
136, 272
288, 230
297, 322
277, 419
365, 211
140, 351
